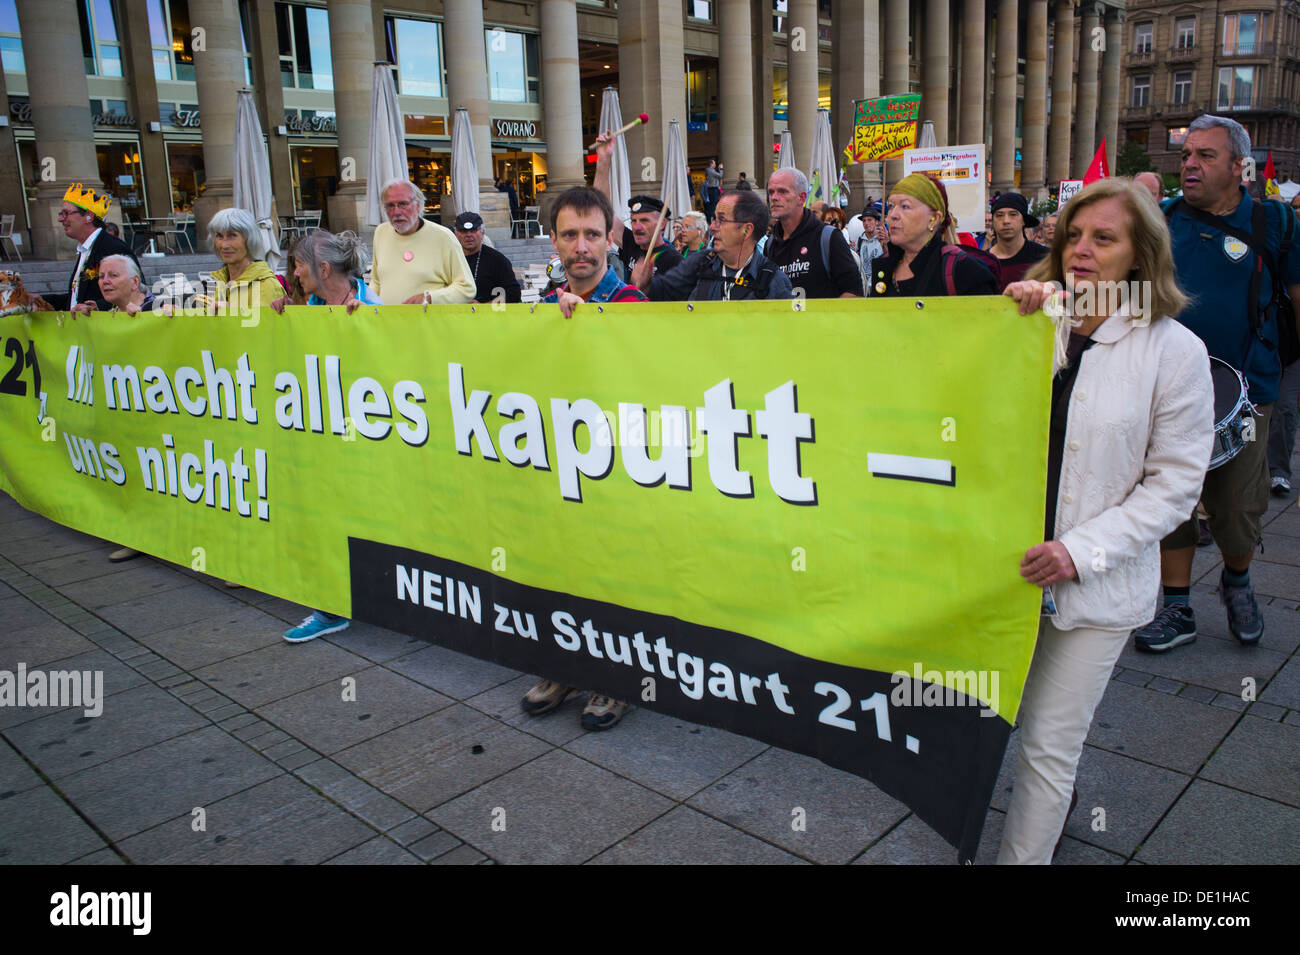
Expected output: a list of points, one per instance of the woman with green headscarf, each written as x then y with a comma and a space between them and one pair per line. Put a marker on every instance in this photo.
923, 258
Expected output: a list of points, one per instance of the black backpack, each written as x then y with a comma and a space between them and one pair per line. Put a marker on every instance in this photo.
1280, 305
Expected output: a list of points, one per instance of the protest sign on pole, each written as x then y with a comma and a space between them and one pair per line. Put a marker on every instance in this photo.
1066, 192
884, 127
814, 540
961, 168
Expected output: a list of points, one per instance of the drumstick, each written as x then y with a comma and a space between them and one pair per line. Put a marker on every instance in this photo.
642, 118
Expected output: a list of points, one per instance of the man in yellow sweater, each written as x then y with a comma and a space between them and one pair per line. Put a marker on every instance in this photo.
417, 262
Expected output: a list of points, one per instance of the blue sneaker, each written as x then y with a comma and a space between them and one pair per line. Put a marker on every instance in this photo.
316, 625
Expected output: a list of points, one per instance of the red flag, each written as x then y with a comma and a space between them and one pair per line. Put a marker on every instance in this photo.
1269, 171
1097, 168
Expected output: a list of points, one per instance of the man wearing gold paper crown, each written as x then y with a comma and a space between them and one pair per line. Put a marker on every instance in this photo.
82, 216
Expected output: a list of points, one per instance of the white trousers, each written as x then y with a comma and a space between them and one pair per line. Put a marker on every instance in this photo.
1068, 675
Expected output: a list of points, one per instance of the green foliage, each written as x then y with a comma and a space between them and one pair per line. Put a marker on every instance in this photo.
1132, 159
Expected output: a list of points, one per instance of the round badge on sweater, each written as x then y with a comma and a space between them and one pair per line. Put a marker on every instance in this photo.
804, 250
408, 256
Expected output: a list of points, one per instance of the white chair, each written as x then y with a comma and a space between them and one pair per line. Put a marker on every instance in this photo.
7, 235
176, 226
529, 220
308, 220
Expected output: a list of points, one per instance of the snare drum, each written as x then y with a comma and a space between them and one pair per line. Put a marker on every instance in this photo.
1234, 422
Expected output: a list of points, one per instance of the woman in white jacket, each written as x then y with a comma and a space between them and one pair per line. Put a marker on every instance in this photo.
1132, 427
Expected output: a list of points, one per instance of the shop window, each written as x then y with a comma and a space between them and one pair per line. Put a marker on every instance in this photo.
420, 125
1177, 136
304, 38
1144, 35
1141, 90
171, 38
1242, 33
701, 92
1236, 87
121, 173
11, 42
431, 171
512, 66
100, 48
185, 168
416, 47
315, 176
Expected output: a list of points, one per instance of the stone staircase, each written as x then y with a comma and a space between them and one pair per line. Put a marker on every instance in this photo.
45, 276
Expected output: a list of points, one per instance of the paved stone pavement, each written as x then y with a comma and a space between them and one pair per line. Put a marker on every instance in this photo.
218, 742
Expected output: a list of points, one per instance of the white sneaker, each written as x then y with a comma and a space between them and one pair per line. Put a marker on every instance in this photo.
1281, 486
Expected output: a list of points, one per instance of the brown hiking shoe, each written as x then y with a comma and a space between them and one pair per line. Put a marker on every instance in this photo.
544, 697
602, 712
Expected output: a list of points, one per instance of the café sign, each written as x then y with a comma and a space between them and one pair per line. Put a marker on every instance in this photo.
515, 129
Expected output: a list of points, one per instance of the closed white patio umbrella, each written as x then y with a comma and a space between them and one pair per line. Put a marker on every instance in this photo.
823, 166
785, 157
252, 180
676, 191
464, 164
387, 142
620, 180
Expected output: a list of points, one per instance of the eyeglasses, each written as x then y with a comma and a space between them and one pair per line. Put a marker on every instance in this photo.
723, 220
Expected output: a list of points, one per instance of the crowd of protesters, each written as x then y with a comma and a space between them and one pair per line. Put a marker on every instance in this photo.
1133, 403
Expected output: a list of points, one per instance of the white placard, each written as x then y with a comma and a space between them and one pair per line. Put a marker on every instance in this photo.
1068, 188
962, 170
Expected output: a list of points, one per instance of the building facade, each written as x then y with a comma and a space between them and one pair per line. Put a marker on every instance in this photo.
1231, 57
140, 99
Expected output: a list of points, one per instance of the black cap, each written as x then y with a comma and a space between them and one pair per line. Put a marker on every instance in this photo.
645, 204
1014, 200
468, 221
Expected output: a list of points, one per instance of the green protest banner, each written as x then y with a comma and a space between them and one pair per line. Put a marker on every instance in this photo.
883, 128
801, 524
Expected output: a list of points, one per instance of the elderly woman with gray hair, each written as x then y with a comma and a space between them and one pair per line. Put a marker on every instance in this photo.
121, 283
244, 281
329, 267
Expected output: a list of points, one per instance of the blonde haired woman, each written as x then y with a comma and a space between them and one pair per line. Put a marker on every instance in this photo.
1131, 428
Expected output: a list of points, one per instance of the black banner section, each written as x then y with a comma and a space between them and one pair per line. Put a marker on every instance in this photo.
935, 749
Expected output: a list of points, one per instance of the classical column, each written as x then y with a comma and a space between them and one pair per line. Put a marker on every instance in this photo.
269, 95
736, 89
561, 100
1085, 116
936, 70
467, 86
60, 100
970, 121
801, 58
219, 74
1058, 153
651, 79
142, 103
352, 55
1108, 120
1004, 98
856, 76
763, 50
1033, 141
898, 77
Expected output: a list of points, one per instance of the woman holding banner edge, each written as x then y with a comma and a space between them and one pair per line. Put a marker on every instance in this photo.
1131, 429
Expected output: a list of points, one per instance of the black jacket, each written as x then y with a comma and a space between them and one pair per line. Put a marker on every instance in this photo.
492, 271
799, 255
969, 274
88, 281
700, 279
